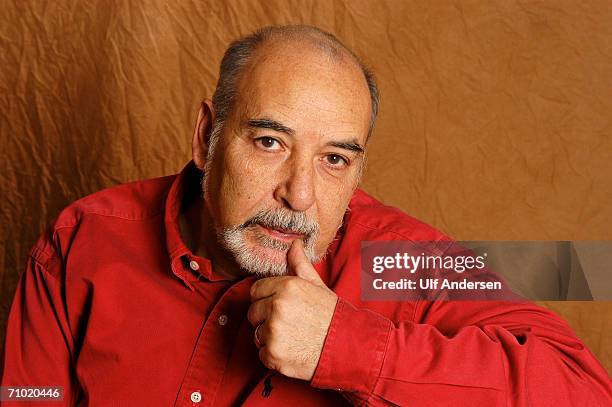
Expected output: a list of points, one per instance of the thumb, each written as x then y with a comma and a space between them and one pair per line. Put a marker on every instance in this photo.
300, 265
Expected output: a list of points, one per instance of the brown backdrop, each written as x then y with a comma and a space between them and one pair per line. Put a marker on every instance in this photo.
495, 120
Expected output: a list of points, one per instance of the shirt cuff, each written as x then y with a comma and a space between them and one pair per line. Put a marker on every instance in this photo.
354, 350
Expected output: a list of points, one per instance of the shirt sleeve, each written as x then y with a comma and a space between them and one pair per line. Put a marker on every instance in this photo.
39, 344
460, 353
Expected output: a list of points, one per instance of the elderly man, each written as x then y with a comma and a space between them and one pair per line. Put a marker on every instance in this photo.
237, 281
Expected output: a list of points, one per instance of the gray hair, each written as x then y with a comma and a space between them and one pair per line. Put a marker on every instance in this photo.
239, 53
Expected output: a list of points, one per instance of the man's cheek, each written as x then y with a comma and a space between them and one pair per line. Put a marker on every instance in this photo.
332, 208
251, 174
328, 230
241, 180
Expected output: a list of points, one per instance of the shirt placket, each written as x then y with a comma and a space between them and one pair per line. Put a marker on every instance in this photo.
213, 348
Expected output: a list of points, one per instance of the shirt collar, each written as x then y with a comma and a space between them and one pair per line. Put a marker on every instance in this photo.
185, 265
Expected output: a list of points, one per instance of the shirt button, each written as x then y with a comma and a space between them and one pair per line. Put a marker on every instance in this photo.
222, 320
194, 265
196, 396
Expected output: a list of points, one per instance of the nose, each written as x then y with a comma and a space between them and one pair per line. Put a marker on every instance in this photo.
296, 191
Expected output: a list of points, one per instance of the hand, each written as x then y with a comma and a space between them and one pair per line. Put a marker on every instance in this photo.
294, 313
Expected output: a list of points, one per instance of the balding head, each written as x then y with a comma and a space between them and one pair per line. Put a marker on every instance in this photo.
242, 53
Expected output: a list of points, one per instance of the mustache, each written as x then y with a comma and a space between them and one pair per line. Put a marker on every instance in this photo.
284, 219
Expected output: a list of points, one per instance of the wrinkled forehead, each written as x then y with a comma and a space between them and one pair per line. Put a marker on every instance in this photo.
298, 80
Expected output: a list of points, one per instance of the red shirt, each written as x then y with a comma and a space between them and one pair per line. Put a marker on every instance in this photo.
116, 309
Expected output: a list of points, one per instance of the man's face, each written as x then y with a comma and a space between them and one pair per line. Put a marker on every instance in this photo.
288, 157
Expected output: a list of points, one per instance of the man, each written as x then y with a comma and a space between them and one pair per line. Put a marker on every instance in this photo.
237, 281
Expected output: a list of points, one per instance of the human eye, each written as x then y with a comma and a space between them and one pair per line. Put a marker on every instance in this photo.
268, 143
336, 161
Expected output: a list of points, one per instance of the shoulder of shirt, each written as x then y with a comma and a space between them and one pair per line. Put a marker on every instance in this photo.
379, 221
138, 200
133, 201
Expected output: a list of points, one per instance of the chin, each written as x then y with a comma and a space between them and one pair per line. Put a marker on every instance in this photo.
263, 262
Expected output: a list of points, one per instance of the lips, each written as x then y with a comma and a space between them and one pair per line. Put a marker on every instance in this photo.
281, 234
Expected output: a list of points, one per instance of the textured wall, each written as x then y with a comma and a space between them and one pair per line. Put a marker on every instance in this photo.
495, 121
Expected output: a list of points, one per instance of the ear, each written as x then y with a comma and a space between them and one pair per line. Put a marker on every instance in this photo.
201, 133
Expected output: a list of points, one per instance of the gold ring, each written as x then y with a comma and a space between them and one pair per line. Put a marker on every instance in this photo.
257, 340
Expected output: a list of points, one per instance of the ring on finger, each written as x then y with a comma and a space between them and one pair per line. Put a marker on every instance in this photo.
258, 341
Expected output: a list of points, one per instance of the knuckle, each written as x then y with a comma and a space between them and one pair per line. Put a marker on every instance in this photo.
268, 359
278, 305
289, 285
274, 351
264, 356
274, 327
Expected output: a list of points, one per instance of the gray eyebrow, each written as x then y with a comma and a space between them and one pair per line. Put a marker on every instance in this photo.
270, 124
348, 145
